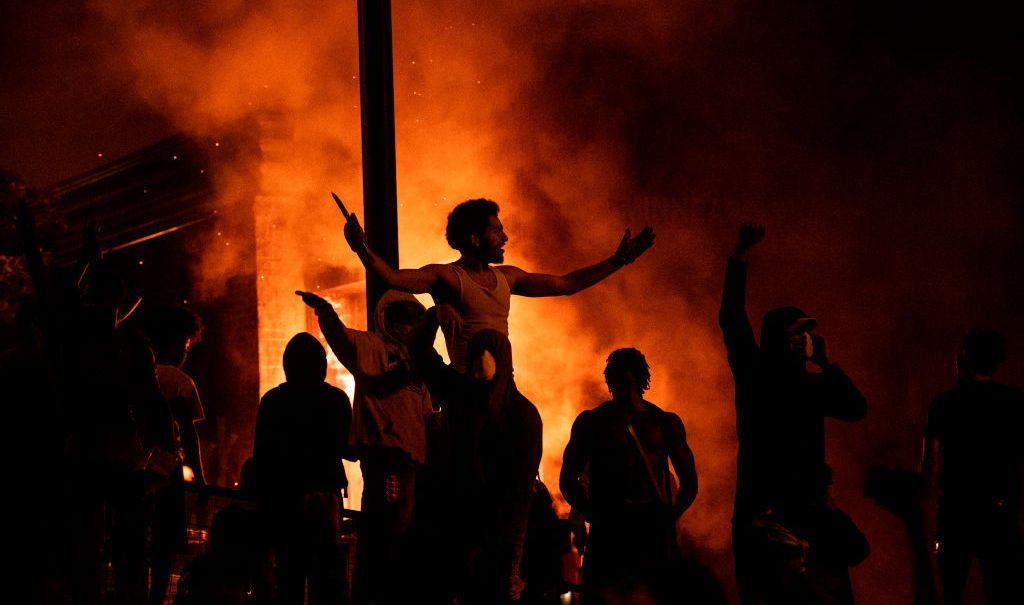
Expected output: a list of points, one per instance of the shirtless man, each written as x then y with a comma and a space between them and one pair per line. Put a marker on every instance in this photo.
479, 293
624, 448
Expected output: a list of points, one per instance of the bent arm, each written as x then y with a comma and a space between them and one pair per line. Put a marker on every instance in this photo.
411, 281
685, 467
843, 400
193, 457
442, 380
337, 336
524, 283
574, 462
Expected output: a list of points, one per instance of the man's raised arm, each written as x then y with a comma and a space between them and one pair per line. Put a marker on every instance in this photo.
732, 316
331, 325
630, 248
411, 281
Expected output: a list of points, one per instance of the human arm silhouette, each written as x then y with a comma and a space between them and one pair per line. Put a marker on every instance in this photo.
683, 463
190, 446
630, 248
442, 380
333, 328
412, 281
843, 400
732, 316
575, 459
751, 234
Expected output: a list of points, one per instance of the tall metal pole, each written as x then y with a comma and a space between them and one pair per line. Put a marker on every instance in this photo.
377, 106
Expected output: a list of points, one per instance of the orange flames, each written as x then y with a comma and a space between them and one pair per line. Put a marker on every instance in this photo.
463, 131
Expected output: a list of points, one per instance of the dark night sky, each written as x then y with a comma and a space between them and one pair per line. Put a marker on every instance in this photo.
60, 105
881, 141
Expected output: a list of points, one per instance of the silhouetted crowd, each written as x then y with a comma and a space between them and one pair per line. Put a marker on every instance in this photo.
452, 508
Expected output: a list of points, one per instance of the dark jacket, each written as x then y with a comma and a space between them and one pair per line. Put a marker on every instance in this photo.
780, 412
301, 437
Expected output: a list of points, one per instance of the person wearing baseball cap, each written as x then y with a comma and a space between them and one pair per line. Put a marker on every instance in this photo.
780, 416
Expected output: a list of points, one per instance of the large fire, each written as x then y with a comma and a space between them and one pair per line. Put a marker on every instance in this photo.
584, 118
463, 131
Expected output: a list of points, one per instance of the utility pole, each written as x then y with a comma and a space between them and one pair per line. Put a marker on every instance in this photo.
377, 107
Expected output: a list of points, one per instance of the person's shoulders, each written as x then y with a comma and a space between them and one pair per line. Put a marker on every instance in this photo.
946, 398
671, 419
511, 273
445, 271
333, 392
270, 400
588, 416
275, 392
175, 376
600, 410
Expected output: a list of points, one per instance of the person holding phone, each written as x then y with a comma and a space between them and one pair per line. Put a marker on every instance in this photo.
781, 408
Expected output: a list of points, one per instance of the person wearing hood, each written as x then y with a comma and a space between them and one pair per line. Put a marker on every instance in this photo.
302, 428
494, 451
388, 435
780, 410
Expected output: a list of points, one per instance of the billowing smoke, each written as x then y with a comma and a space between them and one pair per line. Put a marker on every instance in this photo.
879, 147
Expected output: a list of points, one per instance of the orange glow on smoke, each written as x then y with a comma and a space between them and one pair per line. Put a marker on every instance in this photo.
462, 132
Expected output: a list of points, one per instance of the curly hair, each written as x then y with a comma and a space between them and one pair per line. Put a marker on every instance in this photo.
168, 326
468, 218
632, 361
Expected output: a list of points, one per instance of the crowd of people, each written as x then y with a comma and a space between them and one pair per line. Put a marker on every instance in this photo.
452, 509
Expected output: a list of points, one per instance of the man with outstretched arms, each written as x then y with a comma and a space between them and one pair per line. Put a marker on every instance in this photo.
480, 293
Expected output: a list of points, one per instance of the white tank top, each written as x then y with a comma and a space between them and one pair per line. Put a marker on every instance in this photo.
480, 308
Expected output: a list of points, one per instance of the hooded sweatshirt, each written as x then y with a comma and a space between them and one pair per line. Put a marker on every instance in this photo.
391, 403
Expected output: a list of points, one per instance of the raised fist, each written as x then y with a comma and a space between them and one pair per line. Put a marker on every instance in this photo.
750, 235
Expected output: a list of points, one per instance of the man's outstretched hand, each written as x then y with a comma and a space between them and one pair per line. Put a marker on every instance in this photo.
314, 302
750, 235
630, 248
354, 234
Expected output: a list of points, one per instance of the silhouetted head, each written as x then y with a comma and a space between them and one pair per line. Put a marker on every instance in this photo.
172, 330
231, 532
400, 318
627, 373
785, 334
980, 353
488, 355
305, 360
473, 228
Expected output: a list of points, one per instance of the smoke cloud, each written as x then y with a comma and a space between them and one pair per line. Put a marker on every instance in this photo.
878, 144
